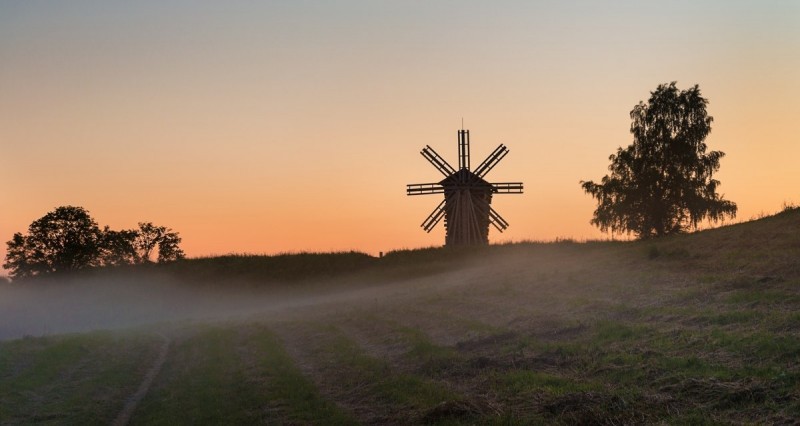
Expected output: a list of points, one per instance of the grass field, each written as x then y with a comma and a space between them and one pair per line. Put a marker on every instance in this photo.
693, 329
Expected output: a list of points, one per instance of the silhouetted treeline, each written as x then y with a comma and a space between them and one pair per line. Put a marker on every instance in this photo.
68, 239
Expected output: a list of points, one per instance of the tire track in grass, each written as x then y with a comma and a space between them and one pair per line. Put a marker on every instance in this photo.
202, 382
233, 373
71, 379
411, 350
373, 389
288, 394
133, 401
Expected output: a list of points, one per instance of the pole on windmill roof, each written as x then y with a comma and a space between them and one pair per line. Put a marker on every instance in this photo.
463, 149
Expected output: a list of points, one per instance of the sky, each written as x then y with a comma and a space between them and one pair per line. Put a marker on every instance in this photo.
285, 126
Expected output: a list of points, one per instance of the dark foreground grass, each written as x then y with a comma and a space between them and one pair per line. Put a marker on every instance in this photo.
72, 379
201, 382
286, 388
233, 375
343, 369
630, 373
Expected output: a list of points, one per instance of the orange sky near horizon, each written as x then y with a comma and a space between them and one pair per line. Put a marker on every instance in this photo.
295, 126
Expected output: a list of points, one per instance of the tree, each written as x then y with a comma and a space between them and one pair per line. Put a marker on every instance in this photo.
168, 249
662, 183
62, 240
150, 236
118, 247
16, 260
68, 238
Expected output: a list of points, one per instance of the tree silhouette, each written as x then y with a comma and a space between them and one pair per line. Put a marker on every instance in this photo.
68, 238
150, 236
62, 240
662, 183
16, 258
118, 247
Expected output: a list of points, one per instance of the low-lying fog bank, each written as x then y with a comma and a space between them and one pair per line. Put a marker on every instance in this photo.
38, 309
138, 297
113, 300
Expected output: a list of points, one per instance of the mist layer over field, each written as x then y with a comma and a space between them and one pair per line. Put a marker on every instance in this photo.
38, 309
121, 302
115, 300
287, 285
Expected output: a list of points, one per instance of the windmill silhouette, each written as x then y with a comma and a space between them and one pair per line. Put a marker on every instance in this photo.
466, 207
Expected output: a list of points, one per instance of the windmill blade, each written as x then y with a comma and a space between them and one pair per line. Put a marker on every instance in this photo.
491, 161
507, 188
496, 220
424, 188
433, 218
441, 165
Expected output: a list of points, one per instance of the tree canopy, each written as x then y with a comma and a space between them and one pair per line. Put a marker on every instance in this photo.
151, 236
68, 239
662, 183
62, 240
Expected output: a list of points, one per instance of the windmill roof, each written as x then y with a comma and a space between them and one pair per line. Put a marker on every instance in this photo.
464, 177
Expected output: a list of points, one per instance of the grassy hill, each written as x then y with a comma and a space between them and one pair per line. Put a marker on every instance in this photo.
693, 329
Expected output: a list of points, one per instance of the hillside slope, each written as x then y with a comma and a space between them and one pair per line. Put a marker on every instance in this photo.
691, 329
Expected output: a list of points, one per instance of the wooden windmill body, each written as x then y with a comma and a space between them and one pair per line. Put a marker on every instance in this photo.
466, 208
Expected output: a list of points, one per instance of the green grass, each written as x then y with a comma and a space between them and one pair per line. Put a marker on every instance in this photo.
756, 296
526, 382
609, 332
431, 357
71, 379
287, 388
202, 382
726, 372
415, 392
736, 317
227, 375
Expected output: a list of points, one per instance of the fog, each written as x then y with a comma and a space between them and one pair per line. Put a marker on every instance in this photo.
41, 309
115, 302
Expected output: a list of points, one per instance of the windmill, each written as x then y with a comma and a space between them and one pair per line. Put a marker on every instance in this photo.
466, 207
